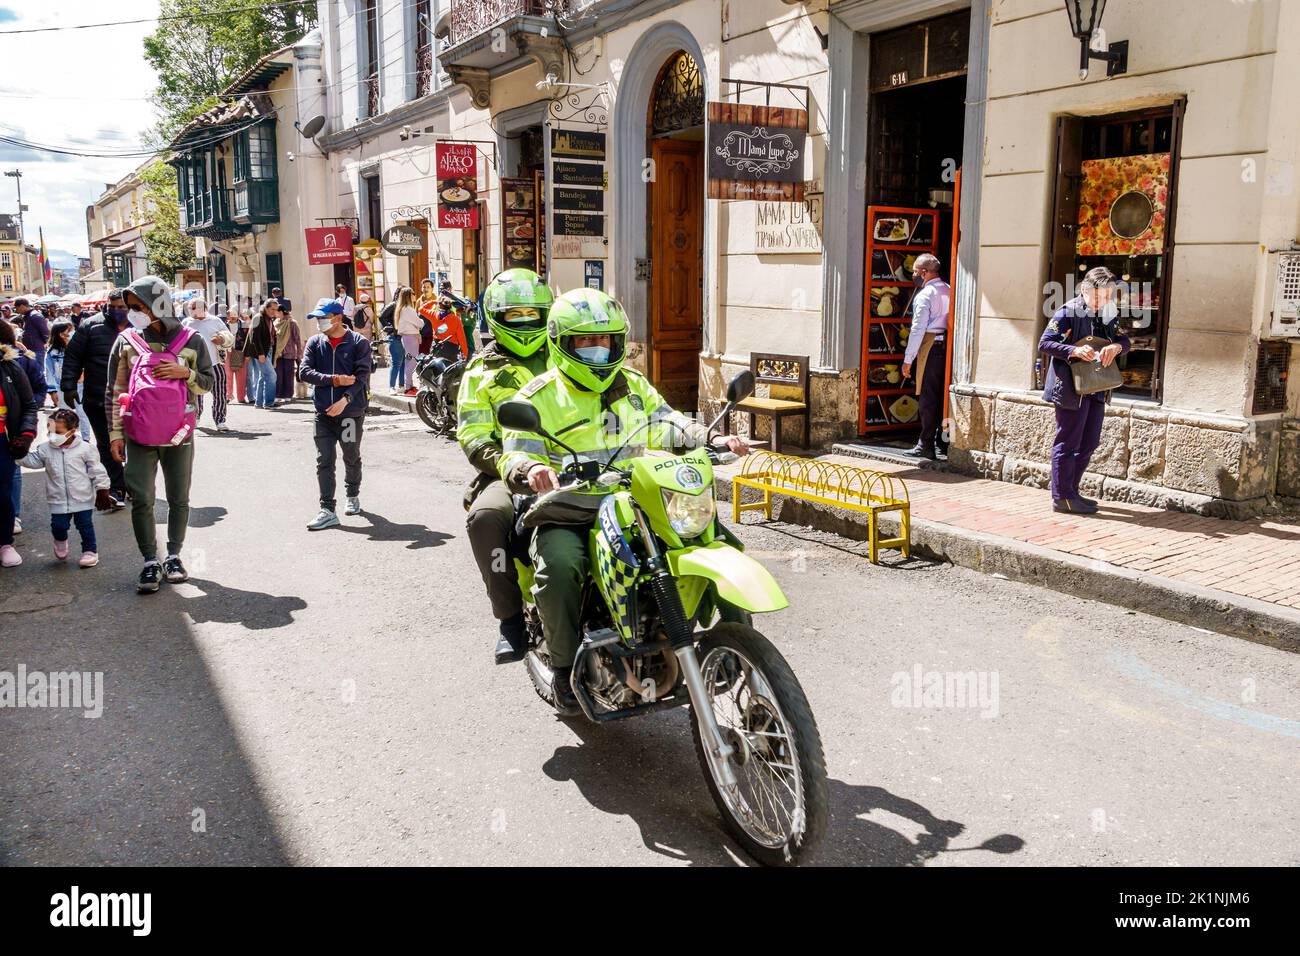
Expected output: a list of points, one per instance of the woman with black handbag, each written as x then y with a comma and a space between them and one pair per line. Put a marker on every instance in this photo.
1082, 342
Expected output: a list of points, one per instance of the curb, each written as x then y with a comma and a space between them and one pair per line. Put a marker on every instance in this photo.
398, 403
1206, 608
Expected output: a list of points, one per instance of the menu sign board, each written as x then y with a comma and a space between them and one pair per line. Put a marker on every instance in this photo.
578, 174
577, 144
571, 224
578, 200
457, 170
519, 239
756, 152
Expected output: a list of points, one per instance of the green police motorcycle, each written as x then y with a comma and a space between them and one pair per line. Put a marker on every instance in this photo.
667, 621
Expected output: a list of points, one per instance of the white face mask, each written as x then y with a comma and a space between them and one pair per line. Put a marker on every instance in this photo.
324, 324
57, 440
138, 319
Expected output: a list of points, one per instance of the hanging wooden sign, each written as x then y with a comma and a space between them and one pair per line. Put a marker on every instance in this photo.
757, 152
577, 144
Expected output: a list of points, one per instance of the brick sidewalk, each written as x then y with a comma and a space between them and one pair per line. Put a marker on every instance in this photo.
1257, 559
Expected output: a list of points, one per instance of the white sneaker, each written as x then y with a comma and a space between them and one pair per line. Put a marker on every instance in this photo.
354, 507
18, 526
324, 519
9, 557
222, 426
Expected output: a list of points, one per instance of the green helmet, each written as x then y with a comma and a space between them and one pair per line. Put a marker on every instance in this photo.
517, 289
587, 312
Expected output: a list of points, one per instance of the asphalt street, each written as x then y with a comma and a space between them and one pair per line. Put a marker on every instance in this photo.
330, 698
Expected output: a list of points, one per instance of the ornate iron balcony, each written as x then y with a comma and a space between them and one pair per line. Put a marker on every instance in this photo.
469, 18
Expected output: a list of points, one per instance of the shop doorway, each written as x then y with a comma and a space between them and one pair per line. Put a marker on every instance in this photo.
916, 112
675, 224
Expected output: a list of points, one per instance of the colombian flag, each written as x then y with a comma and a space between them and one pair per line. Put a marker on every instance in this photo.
44, 261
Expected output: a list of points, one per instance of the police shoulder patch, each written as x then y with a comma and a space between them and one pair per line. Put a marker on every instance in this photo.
635, 401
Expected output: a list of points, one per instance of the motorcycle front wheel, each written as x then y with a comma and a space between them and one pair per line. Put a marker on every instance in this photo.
779, 806
426, 406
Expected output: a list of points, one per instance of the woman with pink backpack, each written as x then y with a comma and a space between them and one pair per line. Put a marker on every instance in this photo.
156, 373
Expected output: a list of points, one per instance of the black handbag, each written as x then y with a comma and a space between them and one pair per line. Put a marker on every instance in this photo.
1093, 377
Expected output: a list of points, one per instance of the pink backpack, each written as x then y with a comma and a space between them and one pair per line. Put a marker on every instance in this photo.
156, 411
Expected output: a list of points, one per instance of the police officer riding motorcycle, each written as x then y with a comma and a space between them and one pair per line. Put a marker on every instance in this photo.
590, 400
516, 304
636, 597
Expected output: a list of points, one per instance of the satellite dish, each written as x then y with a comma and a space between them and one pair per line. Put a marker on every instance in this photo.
314, 126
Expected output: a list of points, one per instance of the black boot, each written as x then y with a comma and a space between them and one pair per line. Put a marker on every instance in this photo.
512, 645
561, 686
919, 450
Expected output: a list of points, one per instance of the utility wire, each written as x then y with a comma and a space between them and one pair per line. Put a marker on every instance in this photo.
162, 18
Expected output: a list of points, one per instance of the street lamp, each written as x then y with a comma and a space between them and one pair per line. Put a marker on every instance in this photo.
1085, 20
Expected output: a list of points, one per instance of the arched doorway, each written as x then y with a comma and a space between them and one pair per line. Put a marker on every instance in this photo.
675, 229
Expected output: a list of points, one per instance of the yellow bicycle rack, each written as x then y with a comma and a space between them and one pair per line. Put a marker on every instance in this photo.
843, 486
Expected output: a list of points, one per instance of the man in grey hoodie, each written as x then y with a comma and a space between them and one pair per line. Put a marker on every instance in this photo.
150, 297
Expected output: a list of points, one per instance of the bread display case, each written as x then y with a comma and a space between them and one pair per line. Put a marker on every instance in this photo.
895, 237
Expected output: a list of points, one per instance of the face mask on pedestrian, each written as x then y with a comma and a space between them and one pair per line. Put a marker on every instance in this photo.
594, 354
325, 323
118, 312
138, 318
58, 439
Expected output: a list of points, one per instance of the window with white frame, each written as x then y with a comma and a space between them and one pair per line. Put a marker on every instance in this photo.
6, 260
8, 282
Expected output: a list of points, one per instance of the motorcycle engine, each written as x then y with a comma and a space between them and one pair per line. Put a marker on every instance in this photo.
606, 684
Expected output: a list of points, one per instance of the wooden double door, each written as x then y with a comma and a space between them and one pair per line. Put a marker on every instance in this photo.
676, 325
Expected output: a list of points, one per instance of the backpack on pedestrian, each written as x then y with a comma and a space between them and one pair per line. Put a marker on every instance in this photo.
156, 411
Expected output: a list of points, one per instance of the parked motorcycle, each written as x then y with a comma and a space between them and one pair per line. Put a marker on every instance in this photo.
439, 374
667, 621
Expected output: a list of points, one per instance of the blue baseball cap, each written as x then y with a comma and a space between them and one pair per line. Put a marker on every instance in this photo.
325, 308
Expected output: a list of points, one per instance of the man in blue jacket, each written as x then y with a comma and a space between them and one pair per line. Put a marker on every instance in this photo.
1093, 312
337, 362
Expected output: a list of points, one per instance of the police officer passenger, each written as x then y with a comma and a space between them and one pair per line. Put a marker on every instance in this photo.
1093, 311
593, 404
516, 304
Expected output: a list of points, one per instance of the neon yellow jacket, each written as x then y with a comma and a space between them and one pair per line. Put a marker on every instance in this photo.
594, 424
491, 377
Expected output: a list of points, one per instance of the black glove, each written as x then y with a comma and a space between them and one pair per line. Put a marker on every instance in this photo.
70, 399
103, 500
20, 446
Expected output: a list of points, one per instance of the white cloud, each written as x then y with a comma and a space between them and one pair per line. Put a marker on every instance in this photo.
81, 88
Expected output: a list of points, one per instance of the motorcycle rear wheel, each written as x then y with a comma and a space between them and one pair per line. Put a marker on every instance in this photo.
779, 807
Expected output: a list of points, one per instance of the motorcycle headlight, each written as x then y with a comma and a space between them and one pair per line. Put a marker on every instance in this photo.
689, 515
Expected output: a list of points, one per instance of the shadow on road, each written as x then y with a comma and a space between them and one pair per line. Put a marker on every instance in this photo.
233, 434
159, 778
642, 774
255, 610
380, 528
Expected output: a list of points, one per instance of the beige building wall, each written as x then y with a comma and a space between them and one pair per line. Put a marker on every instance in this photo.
1237, 199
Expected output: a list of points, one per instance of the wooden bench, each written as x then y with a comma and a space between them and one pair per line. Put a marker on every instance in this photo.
786, 377
842, 486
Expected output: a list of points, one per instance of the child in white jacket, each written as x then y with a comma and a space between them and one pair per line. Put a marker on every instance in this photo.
75, 483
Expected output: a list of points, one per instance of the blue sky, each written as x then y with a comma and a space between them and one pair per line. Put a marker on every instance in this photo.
77, 88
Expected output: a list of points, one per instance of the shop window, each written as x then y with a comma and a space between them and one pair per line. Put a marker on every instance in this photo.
1114, 202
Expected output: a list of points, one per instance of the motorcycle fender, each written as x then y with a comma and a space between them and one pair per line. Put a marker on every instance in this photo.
740, 579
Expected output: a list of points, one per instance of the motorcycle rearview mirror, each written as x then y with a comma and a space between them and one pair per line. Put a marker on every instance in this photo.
741, 387
520, 416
